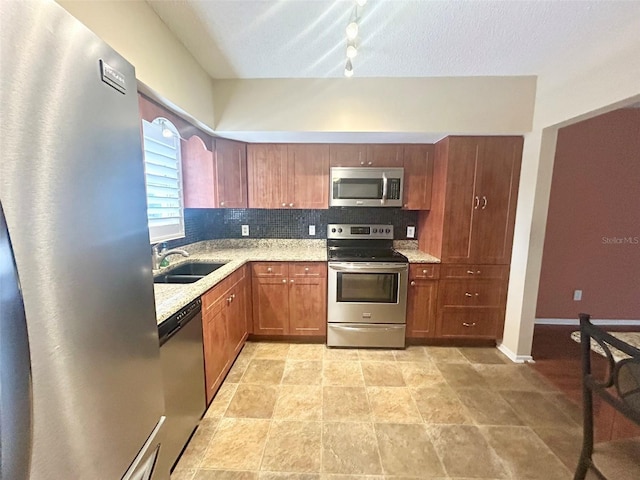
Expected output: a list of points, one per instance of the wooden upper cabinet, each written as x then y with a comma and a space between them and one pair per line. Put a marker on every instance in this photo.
267, 175
385, 155
230, 174
347, 155
308, 173
363, 155
288, 176
197, 174
418, 176
474, 200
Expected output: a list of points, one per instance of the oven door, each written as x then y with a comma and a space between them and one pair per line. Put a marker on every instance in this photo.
367, 292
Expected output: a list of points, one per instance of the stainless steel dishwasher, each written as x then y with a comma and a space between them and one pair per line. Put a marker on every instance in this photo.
182, 359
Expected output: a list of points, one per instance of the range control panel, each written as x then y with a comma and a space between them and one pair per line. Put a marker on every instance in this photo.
384, 232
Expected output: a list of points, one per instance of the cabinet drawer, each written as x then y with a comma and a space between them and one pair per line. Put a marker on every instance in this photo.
304, 269
424, 270
474, 271
469, 322
471, 293
269, 269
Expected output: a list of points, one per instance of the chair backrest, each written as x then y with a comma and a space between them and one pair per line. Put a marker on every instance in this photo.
621, 385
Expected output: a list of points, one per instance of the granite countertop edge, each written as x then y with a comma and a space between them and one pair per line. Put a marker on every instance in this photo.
170, 298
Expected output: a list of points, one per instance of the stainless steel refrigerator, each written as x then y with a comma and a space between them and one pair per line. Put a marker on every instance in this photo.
80, 382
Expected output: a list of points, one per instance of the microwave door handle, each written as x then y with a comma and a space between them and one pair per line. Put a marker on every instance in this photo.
384, 189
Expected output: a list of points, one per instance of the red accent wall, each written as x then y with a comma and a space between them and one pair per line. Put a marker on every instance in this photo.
592, 241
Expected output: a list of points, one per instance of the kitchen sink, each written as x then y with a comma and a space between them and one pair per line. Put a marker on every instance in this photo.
189, 272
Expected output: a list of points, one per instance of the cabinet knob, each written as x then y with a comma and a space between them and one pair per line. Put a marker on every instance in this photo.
291, 280
477, 203
424, 271
269, 270
406, 205
233, 296
478, 272
467, 294
284, 280
306, 269
473, 324
413, 283
284, 204
229, 300
222, 204
369, 163
291, 204
361, 163
471, 272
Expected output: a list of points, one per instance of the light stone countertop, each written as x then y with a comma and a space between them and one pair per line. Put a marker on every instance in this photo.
235, 253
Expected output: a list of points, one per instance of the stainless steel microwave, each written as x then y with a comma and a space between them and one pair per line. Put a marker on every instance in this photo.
366, 187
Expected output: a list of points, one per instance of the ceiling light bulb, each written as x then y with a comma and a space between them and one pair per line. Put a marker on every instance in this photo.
352, 30
361, 3
348, 69
166, 132
352, 51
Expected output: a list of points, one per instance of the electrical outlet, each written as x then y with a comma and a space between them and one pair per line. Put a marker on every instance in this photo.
245, 230
312, 229
411, 232
577, 295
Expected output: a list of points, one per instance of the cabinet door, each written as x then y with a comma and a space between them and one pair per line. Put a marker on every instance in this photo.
215, 347
308, 299
231, 174
421, 308
308, 175
418, 176
197, 174
347, 155
498, 175
460, 206
267, 175
270, 305
385, 155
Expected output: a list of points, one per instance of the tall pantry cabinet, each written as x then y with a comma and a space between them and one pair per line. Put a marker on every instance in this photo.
470, 227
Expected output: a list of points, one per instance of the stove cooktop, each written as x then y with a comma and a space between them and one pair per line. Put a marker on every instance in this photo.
350, 254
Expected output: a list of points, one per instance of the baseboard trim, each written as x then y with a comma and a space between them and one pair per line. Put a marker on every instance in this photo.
515, 358
595, 321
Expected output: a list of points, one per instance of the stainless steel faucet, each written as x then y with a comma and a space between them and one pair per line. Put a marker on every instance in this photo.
159, 255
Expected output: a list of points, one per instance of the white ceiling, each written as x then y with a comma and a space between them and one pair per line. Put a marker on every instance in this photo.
398, 38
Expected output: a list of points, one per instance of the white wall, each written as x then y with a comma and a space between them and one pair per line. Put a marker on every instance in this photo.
499, 105
585, 89
161, 61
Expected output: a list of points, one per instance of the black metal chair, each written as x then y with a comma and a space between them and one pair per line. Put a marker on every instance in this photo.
617, 459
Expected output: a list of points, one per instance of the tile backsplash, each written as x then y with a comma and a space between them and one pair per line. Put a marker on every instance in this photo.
208, 224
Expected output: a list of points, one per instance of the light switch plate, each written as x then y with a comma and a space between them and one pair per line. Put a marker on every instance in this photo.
411, 232
577, 295
312, 229
245, 230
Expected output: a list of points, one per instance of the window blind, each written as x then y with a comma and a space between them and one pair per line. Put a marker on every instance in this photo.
163, 175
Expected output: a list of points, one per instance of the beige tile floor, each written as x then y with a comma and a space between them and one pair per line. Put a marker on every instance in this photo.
309, 412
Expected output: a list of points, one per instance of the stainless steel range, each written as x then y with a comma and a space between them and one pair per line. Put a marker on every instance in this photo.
367, 287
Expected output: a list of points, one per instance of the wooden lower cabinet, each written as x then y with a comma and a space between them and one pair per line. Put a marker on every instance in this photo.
224, 323
289, 298
422, 300
471, 301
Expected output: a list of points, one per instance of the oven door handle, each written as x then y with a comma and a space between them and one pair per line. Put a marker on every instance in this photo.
384, 188
378, 268
369, 327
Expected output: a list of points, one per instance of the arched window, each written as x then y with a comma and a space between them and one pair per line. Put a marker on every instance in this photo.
163, 174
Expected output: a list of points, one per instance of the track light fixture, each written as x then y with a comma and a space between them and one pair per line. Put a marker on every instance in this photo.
352, 31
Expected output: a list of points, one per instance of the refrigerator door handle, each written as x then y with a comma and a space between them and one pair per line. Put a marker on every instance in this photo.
15, 371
